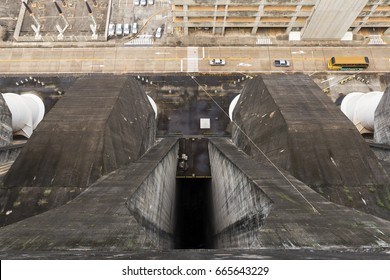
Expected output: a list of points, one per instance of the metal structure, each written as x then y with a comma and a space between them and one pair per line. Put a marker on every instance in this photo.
59, 28
37, 27
27, 112
360, 109
93, 26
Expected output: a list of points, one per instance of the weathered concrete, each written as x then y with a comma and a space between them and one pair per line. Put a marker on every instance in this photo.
290, 120
10, 152
332, 19
5, 123
153, 203
98, 219
278, 211
102, 123
382, 119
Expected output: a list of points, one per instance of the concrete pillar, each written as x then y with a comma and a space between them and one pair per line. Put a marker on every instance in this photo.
330, 19
185, 20
294, 18
5, 123
373, 9
258, 17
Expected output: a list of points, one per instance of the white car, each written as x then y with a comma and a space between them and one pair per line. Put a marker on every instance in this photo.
143, 2
111, 29
281, 63
136, 2
217, 62
126, 29
150, 2
118, 30
159, 32
134, 28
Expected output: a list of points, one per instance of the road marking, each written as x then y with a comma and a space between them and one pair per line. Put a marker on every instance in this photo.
332, 78
192, 59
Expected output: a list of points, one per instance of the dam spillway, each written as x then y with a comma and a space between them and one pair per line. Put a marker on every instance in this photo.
233, 200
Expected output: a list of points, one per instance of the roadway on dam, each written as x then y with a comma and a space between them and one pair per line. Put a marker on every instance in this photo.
122, 59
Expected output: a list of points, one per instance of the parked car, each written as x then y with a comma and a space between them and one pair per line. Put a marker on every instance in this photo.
143, 2
282, 63
217, 62
134, 28
118, 30
126, 29
150, 2
159, 32
136, 2
111, 29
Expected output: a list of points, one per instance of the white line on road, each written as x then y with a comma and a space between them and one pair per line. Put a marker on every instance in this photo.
327, 80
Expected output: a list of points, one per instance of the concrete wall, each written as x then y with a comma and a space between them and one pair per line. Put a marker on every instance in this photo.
382, 120
332, 19
153, 204
291, 121
240, 206
10, 153
299, 217
101, 124
98, 219
5, 123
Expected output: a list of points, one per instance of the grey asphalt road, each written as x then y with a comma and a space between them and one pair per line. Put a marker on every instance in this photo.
124, 59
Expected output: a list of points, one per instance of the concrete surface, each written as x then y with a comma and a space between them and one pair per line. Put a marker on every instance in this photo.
98, 219
288, 119
5, 123
382, 120
100, 124
243, 59
292, 215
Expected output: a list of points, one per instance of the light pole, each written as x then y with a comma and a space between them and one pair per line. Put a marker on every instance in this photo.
37, 27
93, 26
61, 30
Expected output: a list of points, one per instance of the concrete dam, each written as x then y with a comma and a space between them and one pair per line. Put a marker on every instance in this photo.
94, 180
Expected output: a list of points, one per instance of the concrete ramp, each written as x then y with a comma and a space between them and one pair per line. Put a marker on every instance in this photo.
256, 206
99, 219
102, 123
5, 123
382, 120
288, 119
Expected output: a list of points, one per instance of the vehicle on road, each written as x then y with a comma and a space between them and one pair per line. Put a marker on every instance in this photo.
134, 28
150, 2
136, 2
118, 30
126, 29
217, 62
143, 2
159, 32
281, 63
111, 29
348, 63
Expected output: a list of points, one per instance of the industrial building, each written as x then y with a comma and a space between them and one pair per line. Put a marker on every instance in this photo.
313, 19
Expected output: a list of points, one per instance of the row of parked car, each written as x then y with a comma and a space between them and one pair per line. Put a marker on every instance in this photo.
122, 30
143, 2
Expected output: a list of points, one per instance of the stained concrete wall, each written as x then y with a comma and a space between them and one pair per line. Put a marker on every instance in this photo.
5, 123
288, 119
240, 206
98, 219
153, 204
286, 213
102, 123
382, 120
332, 19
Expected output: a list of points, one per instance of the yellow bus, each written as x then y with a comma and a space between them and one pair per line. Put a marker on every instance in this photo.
348, 63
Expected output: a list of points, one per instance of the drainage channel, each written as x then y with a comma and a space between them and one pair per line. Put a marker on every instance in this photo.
194, 218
